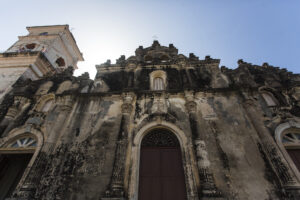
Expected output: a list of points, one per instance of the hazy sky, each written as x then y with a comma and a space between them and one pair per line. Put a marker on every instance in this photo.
256, 31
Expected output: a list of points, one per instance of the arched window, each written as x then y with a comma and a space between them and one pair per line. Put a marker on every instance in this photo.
158, 84
158, 80
30, 46
148, 58
269, 99
291, 142
164, 58
160, 138
64, 86
14, 159
44, 88
25, 142
47, 105
60, 62
287, 136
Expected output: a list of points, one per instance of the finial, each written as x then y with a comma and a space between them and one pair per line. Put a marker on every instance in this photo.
108, 62
155, 43
265, 64
171, 46
240, 61
121, 59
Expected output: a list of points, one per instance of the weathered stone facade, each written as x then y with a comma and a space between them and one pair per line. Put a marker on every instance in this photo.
232, 125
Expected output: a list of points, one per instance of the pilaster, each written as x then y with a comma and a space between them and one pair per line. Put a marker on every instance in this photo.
269, 148
116, 189
208, 187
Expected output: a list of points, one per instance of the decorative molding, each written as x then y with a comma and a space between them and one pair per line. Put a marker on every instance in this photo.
42, 100
65, 102
202, 155
126, 108
20, 103
191, 106
160, 138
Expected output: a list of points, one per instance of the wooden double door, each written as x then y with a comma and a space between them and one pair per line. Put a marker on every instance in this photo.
161, 170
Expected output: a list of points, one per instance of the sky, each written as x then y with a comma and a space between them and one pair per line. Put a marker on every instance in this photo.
256, 31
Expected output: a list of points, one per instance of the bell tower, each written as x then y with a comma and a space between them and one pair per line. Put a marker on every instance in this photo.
45, 50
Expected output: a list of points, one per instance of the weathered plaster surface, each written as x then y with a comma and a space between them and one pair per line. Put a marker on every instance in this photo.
93, 130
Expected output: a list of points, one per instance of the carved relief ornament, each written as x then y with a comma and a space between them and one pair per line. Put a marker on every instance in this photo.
20, 103
65, 102
202, 156
127, 106
191, 106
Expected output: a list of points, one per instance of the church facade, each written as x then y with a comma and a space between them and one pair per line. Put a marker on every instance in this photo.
155, 126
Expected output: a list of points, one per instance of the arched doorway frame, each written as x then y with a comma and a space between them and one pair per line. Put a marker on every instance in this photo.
279, 131
186, 148
19, 133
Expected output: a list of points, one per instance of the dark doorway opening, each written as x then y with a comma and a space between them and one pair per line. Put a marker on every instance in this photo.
12, 167
161, 168
295, 155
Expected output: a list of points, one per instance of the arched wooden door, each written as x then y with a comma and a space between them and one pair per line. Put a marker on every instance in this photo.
161, 169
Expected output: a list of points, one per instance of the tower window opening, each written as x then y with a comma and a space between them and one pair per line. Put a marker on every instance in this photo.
164, 58
30, 46
47, 106
44, 33
148, 59
269, 99
60, 62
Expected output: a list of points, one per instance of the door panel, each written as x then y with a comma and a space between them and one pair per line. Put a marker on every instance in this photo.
150, 188
161, 174
150, 159
172, 189
171, 163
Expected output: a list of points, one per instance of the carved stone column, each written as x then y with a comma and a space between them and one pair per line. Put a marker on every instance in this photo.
208, 186
268, 146
116, 190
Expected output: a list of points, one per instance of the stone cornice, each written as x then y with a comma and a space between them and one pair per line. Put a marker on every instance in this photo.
25, 59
